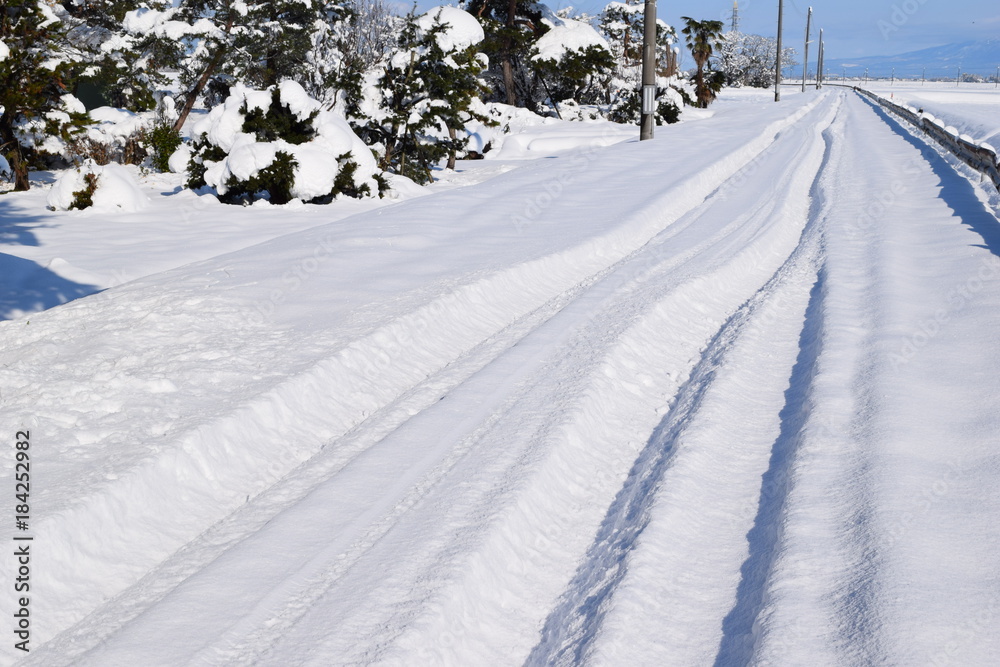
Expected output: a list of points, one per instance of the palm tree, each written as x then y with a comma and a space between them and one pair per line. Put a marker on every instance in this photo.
703, 37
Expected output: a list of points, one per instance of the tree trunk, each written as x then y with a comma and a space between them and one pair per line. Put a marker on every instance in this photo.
199, 86
451, 154
12, 149
192, 96
508, 46
20, 167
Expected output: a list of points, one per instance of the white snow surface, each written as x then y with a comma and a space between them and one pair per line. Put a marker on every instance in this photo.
4, 51
726, 397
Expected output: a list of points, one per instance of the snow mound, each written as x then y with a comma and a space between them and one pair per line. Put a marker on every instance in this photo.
4, 51
116, 189
462, 30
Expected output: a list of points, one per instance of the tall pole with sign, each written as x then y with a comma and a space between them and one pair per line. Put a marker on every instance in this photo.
648, 71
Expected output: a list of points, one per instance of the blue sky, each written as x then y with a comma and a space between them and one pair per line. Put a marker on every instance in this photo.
852, 27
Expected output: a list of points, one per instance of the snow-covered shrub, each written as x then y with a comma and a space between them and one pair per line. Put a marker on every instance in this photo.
627, 106
162, 141
107, 188
277, 144
126, 137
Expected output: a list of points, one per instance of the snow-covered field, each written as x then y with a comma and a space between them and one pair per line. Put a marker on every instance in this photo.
727, 397
972, 108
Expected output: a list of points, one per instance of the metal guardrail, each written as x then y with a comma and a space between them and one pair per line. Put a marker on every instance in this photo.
981, 157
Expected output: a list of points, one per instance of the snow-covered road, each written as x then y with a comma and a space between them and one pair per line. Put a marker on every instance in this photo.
724, 398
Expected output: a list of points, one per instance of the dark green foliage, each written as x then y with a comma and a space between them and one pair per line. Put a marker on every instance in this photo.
202, 152
512, 27
278, 122
627, 108
85, 198
162, 140
277, 180
577, 75
344, 183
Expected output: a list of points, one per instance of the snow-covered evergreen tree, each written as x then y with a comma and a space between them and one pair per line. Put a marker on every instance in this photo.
511, 27
128, 67
37, 62
571, 60
622, 25
249, 41
415, 107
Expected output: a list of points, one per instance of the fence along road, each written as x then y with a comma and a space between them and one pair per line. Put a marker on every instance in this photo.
979, 156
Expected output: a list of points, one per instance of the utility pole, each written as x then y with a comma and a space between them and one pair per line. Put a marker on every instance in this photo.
892, 79
996, 81
923, 75
777, 58
958, 77
819, 62
648, 71
866, 76
805, 56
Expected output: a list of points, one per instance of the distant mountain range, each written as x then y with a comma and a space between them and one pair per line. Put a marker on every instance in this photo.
979, 57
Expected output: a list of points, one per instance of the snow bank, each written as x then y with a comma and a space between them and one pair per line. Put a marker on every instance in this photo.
117, 189
4, 51
521, 134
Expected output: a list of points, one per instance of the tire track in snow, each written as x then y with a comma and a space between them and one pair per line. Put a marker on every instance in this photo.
687, 485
